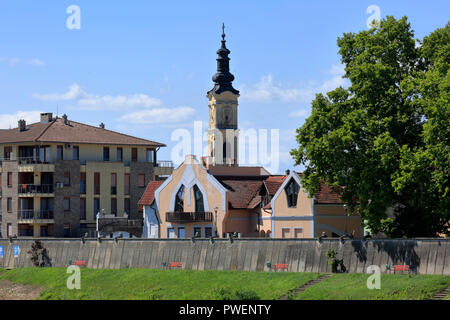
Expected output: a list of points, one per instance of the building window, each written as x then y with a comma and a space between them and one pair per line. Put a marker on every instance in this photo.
105, 153
170, 233
181, 232
285, 233
141, 180
199, 207
113, 183
150, 155
179, 200
59, 153
66, 230
67, 178
10, 182
66, 204
127, 206
9, 205
82, 208
114, 206
298, 233
76, 153
208, 232
119, 154
197, 232
9, 232
127, 183
134, 154
7, 151
96, 182
83, 182
96, 207
292, 190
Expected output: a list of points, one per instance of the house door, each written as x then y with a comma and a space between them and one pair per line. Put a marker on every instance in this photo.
170, 233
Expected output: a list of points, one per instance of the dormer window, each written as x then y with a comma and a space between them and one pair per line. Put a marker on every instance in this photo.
199, 206
292, 189
179, 200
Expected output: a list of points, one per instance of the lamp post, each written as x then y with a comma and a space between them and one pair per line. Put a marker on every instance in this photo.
346, 218
215, 220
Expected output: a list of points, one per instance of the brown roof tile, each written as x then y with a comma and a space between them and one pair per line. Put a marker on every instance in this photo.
242, 190
74, 132
149, 194
328, 195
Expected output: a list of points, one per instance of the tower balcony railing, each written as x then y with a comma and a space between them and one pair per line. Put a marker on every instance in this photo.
34, 188
163, 163
31, 214
184, 217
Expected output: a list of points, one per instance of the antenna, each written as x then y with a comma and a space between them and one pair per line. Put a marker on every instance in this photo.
57, 110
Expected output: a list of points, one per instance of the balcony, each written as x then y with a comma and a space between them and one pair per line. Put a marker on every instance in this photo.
31, 164
34, 189
186, 217
163, 167
28, 215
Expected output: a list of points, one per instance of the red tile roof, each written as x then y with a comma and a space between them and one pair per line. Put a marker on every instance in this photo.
149, 194
241, 190
328, 195
73, 132
273, 183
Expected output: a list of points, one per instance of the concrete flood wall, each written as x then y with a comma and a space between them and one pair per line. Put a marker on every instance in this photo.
424, 256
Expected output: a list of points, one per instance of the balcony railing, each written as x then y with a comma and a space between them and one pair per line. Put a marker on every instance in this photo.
32, 160
34, 214
35, 188
164, 164
182, 217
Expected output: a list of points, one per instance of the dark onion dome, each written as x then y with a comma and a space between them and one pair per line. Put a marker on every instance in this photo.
223, 77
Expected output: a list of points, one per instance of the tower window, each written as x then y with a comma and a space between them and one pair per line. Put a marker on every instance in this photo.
292, 189
179, 200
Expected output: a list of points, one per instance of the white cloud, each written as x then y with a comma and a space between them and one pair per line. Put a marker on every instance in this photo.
299, 113
160, 115
12, 62
267, 90
89, 101
74, 92
8, 121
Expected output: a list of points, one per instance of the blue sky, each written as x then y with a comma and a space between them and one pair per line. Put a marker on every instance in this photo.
144, 67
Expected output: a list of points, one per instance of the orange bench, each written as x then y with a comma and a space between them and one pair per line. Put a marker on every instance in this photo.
403, 267
175, 265
281, 266
80, 263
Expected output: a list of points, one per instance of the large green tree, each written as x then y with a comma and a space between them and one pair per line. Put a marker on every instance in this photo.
385, 138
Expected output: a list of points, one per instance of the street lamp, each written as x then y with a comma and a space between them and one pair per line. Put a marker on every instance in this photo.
346, 219
215, 220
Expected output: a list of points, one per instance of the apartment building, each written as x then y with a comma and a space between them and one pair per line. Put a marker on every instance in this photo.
57, 174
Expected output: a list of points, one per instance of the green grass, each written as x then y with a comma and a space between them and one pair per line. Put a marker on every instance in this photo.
131, 284
134, 284
393, 287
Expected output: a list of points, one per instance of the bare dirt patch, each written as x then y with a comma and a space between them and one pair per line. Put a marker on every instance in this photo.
15, 291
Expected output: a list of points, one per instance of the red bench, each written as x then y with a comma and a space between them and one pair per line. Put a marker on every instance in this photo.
175, 265
402, 267
80, 263
281, 266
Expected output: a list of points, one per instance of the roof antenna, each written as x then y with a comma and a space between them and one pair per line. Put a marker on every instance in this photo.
57, 111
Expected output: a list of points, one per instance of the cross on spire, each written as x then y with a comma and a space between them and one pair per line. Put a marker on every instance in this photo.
223, 31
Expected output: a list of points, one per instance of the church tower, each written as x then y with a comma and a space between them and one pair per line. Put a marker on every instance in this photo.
223, 130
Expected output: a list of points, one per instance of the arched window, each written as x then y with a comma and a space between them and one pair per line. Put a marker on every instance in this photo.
199, 207
179, 200
292, 189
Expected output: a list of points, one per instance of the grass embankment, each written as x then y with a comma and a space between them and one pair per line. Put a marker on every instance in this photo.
131, 284
393, 287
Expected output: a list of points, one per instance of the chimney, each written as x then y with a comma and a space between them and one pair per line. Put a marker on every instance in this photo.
64, 117
46, 117
288, 172
22, 125
102, 125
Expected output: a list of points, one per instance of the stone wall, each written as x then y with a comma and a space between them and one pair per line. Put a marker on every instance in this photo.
424, 256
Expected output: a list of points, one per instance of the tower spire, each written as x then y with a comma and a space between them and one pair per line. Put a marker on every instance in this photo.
223, 78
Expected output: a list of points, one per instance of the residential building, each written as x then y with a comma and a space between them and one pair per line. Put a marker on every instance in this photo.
57, 174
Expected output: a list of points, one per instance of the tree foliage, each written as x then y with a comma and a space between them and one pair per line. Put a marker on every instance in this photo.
385, 138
